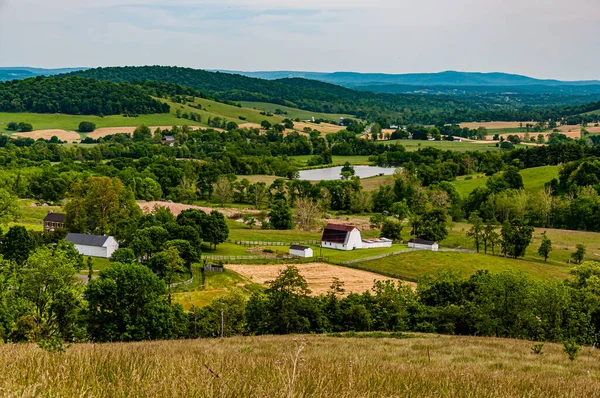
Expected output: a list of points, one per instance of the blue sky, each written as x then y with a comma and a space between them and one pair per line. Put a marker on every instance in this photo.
541, 38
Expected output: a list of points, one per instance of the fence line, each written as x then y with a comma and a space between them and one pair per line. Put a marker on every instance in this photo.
362, 260
184, 284
263, 243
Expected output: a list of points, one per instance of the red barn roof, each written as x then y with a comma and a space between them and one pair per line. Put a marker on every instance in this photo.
336, 233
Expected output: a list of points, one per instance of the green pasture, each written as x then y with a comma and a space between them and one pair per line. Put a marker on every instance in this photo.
337, 160
413, 265
293, 113
462, 146
534, 180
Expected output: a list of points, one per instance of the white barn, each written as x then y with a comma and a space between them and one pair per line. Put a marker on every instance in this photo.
341, 237
93, 245
423, 244
301, 251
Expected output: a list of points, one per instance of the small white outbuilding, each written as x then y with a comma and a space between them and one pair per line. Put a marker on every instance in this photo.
423, 244
301, 251
93, 245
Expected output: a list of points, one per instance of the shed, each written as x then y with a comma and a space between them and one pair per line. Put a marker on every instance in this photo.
301, 251
93, 245
341, 237
423, 244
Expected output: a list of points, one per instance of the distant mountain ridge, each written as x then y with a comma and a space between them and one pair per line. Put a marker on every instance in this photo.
447, 78
24, 72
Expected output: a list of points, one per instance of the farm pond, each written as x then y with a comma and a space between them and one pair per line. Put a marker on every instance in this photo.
334, 173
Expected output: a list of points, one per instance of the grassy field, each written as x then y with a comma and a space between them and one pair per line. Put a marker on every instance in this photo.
302, 366
373, 183
337, 160
415, 145
71, 122
216, 285
534, 180
210, 109
563, 244
294, 113
413, 265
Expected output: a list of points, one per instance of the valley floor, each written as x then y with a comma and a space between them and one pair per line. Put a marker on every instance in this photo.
302, 366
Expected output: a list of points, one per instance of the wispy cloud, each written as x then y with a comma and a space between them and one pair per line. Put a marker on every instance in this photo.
366, 35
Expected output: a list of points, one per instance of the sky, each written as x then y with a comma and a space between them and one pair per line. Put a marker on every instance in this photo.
540, 38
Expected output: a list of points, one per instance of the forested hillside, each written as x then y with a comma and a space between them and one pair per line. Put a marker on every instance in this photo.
323, 97
75, 95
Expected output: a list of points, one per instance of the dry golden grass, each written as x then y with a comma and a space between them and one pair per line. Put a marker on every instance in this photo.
374, 183
301, 366
493, 125
62, 135
249, 126
322, 127
318, 276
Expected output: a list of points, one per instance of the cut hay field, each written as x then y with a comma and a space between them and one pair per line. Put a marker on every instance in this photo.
318, 275
302, 366
534, 180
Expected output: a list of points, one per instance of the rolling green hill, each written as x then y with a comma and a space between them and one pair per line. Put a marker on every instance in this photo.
77, 96
533, 179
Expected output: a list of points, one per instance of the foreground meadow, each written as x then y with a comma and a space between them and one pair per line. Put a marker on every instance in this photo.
302, 366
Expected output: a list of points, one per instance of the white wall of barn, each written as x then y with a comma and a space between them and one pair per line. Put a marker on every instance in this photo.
92, 251
420, 246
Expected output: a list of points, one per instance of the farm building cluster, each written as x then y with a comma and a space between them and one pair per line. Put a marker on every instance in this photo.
347, 237
87, 245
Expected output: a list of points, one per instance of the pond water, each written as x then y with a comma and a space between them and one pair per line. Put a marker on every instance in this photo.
333, 173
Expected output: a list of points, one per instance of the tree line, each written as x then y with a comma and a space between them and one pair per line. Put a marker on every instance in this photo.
77, 96
323, 97
129, 302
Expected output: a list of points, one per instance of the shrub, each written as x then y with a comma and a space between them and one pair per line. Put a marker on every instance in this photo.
87, 127
12, 126
24, 127
571, 348
468, 178
537, 348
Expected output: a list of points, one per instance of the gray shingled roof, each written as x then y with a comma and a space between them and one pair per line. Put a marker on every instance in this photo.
421, 241
298, 247
87, 240
55, 217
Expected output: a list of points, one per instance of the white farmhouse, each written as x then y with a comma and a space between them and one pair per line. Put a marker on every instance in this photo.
94, 245
301, 251
423, 244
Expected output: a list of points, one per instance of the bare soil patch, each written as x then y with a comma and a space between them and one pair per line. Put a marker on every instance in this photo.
62, 135
318, 276
177, 208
